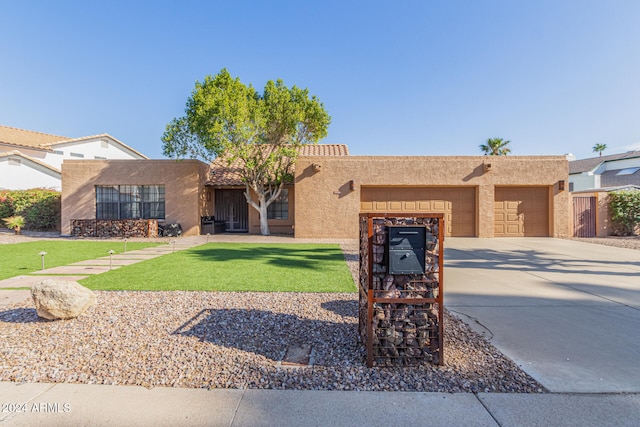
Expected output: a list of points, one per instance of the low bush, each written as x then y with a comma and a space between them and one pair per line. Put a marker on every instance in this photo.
40, 207
625, 211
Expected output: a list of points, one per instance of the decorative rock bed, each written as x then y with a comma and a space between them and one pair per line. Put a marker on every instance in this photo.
233, 340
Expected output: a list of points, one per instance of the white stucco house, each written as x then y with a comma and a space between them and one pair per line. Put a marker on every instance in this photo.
30, 159
616, 171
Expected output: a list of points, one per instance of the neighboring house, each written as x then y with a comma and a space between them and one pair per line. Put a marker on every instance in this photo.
590, 181
480, 196
31, 159
606, 172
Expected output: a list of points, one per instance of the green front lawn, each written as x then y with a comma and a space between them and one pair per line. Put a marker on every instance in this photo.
236, 267
23, 258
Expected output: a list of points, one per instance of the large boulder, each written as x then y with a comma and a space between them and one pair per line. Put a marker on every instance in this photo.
60, 299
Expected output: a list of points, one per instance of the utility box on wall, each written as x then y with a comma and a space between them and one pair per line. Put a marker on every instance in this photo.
405, 249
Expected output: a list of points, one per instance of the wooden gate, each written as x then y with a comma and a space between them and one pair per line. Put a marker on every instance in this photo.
584, 216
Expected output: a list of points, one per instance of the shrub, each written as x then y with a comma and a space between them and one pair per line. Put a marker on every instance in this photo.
39, 207
14, 223
6, 204
625, 211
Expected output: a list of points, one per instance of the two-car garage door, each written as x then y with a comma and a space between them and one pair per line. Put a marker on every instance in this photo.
457, 203
518, 211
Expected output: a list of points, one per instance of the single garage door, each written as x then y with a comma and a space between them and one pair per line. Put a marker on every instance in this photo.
457, 203
521, 212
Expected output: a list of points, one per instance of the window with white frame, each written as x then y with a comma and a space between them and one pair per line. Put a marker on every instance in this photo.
279, 209
130, 202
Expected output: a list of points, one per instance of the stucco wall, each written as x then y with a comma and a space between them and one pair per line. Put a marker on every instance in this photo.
183, 181
327, 207
21, 174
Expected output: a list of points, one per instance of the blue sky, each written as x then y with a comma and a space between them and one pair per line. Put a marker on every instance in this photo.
430, 77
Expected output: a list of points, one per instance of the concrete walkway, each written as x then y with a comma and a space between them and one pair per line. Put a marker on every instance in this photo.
567, 312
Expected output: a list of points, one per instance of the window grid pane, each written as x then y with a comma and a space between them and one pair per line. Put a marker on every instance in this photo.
130, 202
279, 209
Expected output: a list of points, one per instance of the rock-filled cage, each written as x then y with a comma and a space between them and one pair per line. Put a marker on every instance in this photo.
400, 292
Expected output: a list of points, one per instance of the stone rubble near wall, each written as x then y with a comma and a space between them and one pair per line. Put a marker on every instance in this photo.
106, 228
59, 299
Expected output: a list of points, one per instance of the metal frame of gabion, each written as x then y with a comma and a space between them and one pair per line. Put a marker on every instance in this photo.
401, 315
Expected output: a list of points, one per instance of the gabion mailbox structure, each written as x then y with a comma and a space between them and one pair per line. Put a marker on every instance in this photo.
400, 293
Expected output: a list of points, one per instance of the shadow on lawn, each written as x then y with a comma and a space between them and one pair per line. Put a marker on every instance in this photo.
280, 256
270, 334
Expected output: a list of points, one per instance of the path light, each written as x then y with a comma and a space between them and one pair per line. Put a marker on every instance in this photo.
174, 245
207, 237
125, 245
111, 252
42, 254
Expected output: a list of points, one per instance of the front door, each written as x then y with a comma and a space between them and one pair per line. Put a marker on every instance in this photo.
231, 206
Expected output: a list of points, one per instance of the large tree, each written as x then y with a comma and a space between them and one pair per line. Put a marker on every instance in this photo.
599, 148
259, 133
495, 147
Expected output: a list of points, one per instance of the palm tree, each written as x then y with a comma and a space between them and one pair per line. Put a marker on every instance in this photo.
599, 148
495, 147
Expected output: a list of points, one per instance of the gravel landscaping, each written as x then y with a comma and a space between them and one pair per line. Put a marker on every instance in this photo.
237, 340
629, 242
233, 340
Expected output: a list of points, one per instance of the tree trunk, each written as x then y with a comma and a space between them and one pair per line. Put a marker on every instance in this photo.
264, 223
261, 207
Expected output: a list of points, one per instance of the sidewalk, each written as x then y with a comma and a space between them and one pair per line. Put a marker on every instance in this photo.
97, 405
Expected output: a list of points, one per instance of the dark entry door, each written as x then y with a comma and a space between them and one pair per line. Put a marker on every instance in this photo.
231, 206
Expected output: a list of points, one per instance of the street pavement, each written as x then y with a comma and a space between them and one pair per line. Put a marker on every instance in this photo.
567, 312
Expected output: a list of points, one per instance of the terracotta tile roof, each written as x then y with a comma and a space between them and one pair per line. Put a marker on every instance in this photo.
324, 150
222, 175
27, 138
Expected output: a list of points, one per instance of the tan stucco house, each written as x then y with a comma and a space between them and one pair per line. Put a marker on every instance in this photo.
480, 196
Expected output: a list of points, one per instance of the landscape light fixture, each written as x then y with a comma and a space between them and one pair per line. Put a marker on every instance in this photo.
125, 245
173, 242
42, 254
111, 252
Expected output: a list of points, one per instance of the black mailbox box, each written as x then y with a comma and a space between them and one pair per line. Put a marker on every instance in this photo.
405, 249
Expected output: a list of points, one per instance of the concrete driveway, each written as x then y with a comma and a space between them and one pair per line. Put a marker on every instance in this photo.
567, 312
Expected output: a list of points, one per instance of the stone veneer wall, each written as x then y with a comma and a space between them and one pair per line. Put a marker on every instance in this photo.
400, 315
